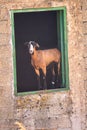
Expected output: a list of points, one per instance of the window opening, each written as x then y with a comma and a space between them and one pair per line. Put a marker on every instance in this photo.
47, 27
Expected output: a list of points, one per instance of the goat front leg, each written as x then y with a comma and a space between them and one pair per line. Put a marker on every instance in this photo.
44, 78
38, 79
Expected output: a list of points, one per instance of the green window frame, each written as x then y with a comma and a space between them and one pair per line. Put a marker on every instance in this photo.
62, 45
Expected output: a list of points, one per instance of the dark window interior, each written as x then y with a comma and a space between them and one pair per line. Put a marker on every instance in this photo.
33, 26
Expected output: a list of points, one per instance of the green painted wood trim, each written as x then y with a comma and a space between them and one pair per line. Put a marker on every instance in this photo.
62, 47
62, 39
14, 53
42, 91
38, 9
66, 50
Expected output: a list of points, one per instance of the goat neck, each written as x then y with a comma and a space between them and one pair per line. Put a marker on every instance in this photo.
34, 55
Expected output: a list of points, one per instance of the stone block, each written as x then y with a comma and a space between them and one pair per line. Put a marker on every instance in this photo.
86, 63
4, 27
85, 53
7, 124
5, 1
4, 39
85, 74
5, 65
85, 40
6, 113
85, 15
64, 129
86, 84
85, 28
5, 98
3, 13
53, 122
21, 1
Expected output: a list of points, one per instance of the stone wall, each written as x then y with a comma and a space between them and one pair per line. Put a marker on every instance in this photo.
85, 57
65, 110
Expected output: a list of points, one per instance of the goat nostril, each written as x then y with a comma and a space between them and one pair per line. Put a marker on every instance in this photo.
31, 51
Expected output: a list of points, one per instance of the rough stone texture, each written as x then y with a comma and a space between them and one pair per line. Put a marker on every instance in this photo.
84, 123
39, 111
53, 111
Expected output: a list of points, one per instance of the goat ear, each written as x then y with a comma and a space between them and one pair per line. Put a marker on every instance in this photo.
37, 45
26, 43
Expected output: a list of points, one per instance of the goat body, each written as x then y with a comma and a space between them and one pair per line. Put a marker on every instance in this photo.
40, 59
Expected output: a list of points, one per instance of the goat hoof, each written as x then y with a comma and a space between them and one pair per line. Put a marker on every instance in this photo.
40, 89
53, 84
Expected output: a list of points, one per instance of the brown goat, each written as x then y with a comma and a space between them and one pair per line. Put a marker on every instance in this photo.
40, 59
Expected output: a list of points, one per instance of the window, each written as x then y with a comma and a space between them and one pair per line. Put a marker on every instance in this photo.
46, 26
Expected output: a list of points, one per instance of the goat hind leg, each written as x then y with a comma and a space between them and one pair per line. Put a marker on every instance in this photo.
44, 79
53, 77
58, 75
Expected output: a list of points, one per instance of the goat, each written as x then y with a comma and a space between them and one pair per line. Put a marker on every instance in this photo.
40, 59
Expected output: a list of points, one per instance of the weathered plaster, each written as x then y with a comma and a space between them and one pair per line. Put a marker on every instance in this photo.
53, 111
